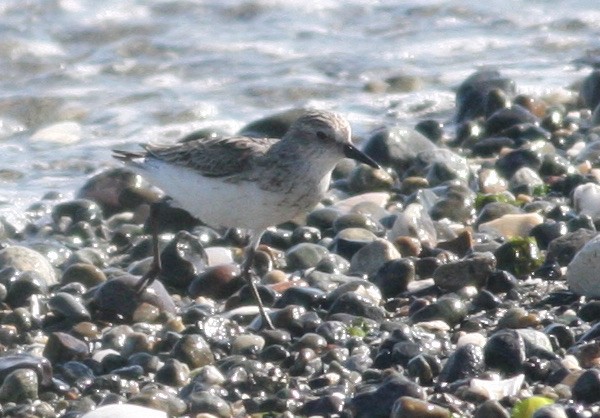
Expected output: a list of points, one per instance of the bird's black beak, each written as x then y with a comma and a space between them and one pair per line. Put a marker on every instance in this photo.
351, 151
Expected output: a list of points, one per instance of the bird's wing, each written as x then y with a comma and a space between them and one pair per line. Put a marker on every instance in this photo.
213, 157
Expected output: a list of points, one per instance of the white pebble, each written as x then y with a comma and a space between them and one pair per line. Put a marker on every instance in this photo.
582, 272
586, 199
125, 411
512, 225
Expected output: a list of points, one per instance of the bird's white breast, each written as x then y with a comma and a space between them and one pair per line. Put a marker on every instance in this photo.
243, 204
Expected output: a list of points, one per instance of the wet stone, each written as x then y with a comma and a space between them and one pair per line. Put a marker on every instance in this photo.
173, 373
207, 403
348, 241
495, 210
370, 258
333, 263
324, 406
397, 147
587, 386
548, 231
448, 309
356, 304
24, 259
407, 407
315, 342
525, 181
505, 118
415, 222
193, 350
467, 361
394, 276
182, 259
87, 274
491, 409
308, 297
564, 248
441, 165
432, 129
472, 94
145, 313
550, 411
63, 347
323, 218
472, 271
364, 178
490, 146
136, 342
78, 210
590, 90
247, 344
512, 225
41, 366
115, 299
505, 351
520, 256
508, 164
305, 234
20, 385
582, 271
379, 403
334, 332
68, 306
23, 286
304, 255
217, 282
357, 220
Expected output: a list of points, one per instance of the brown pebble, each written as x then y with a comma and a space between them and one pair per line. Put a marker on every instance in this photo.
408, 246
459, 245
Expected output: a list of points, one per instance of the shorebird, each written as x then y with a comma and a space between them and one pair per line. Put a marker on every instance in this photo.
246, 182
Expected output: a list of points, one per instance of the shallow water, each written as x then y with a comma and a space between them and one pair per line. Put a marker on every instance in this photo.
118, 72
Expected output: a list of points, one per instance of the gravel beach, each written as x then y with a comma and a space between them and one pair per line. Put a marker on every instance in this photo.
459, 281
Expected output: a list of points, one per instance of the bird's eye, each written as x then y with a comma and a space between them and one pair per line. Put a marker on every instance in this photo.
321, 135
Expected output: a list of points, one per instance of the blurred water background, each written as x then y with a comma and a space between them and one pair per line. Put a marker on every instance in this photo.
79, 77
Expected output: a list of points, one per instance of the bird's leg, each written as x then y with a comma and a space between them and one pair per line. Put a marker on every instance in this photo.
151, 275
247, 274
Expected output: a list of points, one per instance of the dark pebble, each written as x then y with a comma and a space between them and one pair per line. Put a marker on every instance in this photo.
505, 351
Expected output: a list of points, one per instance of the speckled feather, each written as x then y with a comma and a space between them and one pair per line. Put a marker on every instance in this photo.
214, 157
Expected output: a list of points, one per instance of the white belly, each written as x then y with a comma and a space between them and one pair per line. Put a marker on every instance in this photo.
222, 204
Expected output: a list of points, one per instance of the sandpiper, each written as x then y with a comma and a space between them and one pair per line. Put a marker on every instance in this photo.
245, 182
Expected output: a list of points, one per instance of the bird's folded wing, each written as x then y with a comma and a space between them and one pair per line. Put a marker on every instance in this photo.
214, 157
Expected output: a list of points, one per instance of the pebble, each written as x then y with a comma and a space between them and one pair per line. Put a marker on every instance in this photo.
20, 385
407, 407
563, 249
394, 276
86, 274
512, 225
582, 271
415, 222
586, 199
505, 351
24, 259
472, 271
124, 411
370, 258
397, 147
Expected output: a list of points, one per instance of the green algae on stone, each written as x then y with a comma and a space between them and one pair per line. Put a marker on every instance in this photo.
483, 199
525, 408
519, 255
